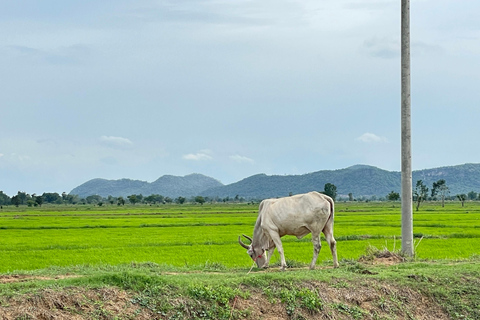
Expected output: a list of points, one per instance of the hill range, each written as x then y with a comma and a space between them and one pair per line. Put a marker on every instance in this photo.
360, 180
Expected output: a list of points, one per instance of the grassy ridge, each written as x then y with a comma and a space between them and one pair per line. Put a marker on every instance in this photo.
194, 235
440, 290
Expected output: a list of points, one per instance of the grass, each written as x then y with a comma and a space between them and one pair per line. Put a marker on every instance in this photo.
166, 292
192, 235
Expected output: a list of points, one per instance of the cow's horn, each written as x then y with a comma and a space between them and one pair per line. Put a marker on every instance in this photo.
241, 243
248, 238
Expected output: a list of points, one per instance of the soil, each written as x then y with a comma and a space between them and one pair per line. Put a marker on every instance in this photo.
72, 304
364, 299
24, 278
384, 257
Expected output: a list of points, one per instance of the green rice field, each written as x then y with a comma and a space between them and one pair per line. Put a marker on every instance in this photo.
195, 235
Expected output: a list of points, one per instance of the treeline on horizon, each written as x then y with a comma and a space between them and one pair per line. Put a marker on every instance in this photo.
439, 191
23, 198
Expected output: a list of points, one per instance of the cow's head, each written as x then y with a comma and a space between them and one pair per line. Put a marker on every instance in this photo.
256, 253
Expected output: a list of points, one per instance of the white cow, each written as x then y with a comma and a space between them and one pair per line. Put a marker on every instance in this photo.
298, 216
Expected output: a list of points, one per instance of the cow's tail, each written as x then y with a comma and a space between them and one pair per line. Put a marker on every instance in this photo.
332, 209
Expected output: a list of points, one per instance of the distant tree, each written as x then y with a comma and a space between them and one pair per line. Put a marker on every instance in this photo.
180, 200
150, 199
52, 197
111, 199
330, 190
200, 199
120, 201
420, 193
94, 199
16, 201
38, 200
154, 198
440, 187
167, 200
4, 199
462, 197
472, 195
350, 196
393, 196
23, 197
70, 199
132, 198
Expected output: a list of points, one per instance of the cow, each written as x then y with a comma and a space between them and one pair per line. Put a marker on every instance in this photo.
296, 215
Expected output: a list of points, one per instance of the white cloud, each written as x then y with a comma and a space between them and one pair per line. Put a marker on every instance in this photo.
116, 142
382, 48
241, 159
202, 155
1, 155
371, 138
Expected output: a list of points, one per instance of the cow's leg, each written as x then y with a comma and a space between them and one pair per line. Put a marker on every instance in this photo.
317, 245
271, 250
328, 232
278, 243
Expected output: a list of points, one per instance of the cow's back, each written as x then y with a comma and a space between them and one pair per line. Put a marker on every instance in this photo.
296, 215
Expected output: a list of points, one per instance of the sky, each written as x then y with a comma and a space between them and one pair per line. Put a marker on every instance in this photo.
229, 88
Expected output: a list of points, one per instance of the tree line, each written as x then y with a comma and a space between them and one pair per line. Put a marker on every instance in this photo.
23, 198
439, 191
33, 200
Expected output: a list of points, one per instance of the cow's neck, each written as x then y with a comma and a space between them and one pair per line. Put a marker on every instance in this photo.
260, 240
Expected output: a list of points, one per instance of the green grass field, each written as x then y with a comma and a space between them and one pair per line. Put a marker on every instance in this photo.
194, 235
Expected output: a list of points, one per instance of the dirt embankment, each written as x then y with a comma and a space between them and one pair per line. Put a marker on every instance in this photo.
364, 299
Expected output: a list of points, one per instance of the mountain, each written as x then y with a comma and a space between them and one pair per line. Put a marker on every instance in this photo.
169, 186
459, 179
360, 180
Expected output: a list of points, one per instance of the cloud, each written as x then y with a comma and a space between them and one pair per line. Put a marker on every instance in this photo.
116, 142
426, 48
371, 138
241, 159
202, 155
67, 55
382, 48
19, 158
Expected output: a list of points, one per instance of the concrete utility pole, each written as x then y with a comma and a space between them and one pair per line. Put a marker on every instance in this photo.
407, 214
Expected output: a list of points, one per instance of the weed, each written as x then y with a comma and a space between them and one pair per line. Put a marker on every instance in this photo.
353, 311
291, 264
214, 266
310, 300
220, 294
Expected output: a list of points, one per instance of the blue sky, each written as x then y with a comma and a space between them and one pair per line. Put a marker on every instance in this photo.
139, 89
